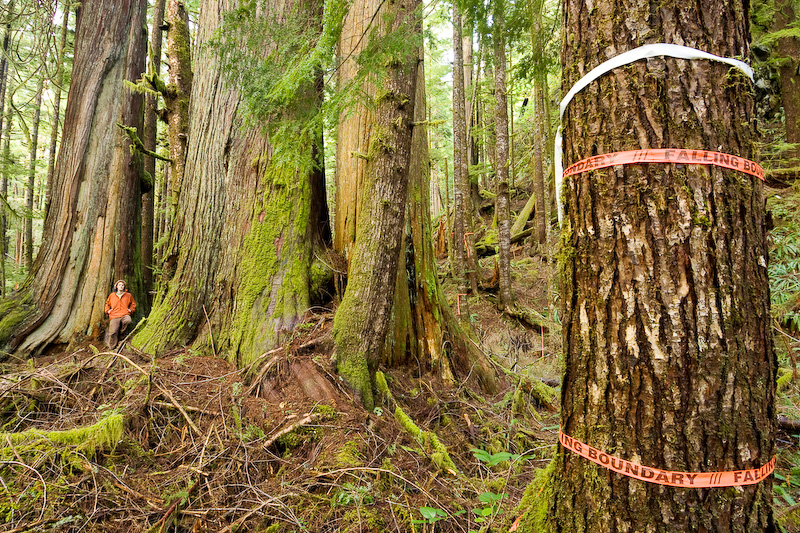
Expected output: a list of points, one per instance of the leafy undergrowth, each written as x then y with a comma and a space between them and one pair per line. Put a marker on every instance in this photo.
187, 443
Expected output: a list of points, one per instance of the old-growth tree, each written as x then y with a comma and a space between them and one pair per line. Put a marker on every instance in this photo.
251, 215
91, 234
669, 359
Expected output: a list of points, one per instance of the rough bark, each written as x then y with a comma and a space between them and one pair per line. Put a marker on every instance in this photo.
150, 132
362, 320
55, 121
176, 103
91, 234
502, 209
669, 359
248, 225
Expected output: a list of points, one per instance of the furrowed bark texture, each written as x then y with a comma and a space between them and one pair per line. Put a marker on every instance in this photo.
245, 231
669, 359
362, 320
91, 234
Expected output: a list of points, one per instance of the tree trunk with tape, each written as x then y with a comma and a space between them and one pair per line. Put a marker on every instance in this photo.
669, 358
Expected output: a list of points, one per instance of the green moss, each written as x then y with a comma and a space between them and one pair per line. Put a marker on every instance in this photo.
349, 455
784, 377
87, 440
536, 502
351, 362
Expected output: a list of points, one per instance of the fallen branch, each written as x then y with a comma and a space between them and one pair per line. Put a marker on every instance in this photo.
309, 418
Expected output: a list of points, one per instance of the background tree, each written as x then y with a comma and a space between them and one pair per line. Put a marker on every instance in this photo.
669, 359
91, 232
502, 209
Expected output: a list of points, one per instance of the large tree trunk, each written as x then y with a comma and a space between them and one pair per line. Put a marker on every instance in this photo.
502, 209
4, 178
362, 320
355, 126
669, 360
248, 225
150, 132
91, 234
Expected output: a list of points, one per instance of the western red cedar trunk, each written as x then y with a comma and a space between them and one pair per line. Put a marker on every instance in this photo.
91, 234
248, 225
362, 320
788, 50
669, 359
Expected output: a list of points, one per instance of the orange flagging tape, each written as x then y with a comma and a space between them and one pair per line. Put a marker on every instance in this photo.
667, 477
668, 155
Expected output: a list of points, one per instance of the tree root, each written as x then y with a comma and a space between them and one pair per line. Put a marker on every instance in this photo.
427, 439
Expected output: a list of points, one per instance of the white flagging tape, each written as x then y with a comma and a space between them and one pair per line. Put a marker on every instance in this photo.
643, 52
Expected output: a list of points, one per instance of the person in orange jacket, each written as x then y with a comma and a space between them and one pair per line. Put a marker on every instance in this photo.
119, 307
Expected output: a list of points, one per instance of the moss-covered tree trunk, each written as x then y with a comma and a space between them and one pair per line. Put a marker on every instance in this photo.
426, 334
91, 234
248, 223
362, 320
669, 360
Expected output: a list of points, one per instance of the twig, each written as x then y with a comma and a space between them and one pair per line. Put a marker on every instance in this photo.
311, 417
44, 489
262, 373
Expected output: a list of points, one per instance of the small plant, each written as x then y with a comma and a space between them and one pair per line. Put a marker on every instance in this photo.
493, 459
430, 515
353, 495
491, 506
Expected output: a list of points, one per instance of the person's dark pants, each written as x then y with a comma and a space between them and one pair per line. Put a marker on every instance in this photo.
115, 327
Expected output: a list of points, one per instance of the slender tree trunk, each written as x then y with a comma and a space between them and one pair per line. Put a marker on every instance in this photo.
362, 320
91, 235
668, 345
502, 210
4, 83
539, 90
465, 268
57, 89
176, 100
249, 225
150, 132
29, 190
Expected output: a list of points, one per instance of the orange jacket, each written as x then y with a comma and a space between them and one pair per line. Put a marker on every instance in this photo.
117, 306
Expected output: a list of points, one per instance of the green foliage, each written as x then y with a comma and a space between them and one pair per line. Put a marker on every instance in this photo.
430, 515
351, 494
785, 258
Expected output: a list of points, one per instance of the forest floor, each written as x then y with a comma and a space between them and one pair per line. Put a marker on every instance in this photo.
118, 441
